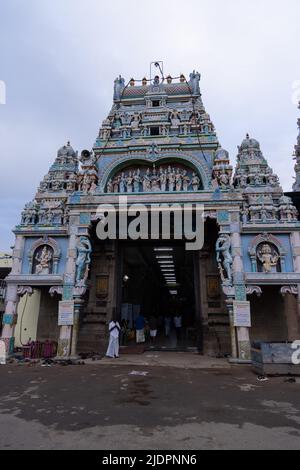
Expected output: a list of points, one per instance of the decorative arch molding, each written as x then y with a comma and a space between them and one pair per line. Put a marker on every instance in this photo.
48, 242
268, 239
161, 158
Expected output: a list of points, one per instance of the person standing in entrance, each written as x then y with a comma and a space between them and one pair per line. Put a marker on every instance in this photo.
178, 326
153, 329
113, 346
140, 328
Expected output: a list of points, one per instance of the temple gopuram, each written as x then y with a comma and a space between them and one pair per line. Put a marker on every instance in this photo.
157, 148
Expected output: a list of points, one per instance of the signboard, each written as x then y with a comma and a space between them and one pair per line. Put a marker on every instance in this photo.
66, 313
242, 314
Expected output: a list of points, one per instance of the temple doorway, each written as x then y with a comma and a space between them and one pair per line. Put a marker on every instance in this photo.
157, 282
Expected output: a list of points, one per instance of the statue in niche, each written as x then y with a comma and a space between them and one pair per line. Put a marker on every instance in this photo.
163, 179
178, 180
195, 182
154, 181
195, 78
110, 186
185, 181
122, 183
147, 181
224, 180
137, 180
44, 260
136, 121
268, 257
175, 121
66, 217
263, 214
83, 260
171, 179
129, 182
245, 215
224, 258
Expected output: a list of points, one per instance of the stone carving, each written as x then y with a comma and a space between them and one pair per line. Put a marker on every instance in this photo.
56, 290
83, 260
119, 86
88, 176
29, 214
22, 290
44, 258
287, 210
250, 290
194, 82
224, 258
269, 257
285, 290
158, 180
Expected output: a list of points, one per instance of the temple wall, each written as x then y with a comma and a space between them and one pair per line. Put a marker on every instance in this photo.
268, 316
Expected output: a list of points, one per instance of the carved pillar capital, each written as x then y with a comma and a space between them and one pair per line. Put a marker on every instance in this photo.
285, 290
250, 290
22, 290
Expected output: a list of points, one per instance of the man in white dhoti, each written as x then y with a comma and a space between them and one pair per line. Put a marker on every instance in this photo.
113, 346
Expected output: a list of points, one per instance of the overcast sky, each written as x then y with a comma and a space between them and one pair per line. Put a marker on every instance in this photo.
59, 59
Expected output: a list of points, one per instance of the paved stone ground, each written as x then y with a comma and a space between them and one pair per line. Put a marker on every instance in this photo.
106, 407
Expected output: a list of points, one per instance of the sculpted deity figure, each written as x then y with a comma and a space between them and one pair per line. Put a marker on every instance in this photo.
93, 188
224, 180
154, 181
116, 182
110, 186
171, 179
147, 181
83, 260
194, 82
44, 261
195, 182
185, 181
163, 179
56, 185
175, 121
224, 258
178, 180
129, 182
122, 183
66, 217
268, 257
119, 86
137, 180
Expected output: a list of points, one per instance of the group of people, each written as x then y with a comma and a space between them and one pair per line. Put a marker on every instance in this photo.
143, 328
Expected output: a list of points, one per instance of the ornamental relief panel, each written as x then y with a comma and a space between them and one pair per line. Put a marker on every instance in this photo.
165, 178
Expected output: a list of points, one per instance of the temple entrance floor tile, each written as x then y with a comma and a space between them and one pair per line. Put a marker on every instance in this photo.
166, 359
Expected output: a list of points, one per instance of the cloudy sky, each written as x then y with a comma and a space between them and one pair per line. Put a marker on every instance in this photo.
59, 59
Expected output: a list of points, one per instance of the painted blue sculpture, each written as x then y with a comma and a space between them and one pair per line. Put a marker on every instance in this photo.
83, 260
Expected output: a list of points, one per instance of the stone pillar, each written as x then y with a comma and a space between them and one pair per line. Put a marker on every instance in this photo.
242, 334
229, 303
65, 333
12, 298
75, 330
10, 318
